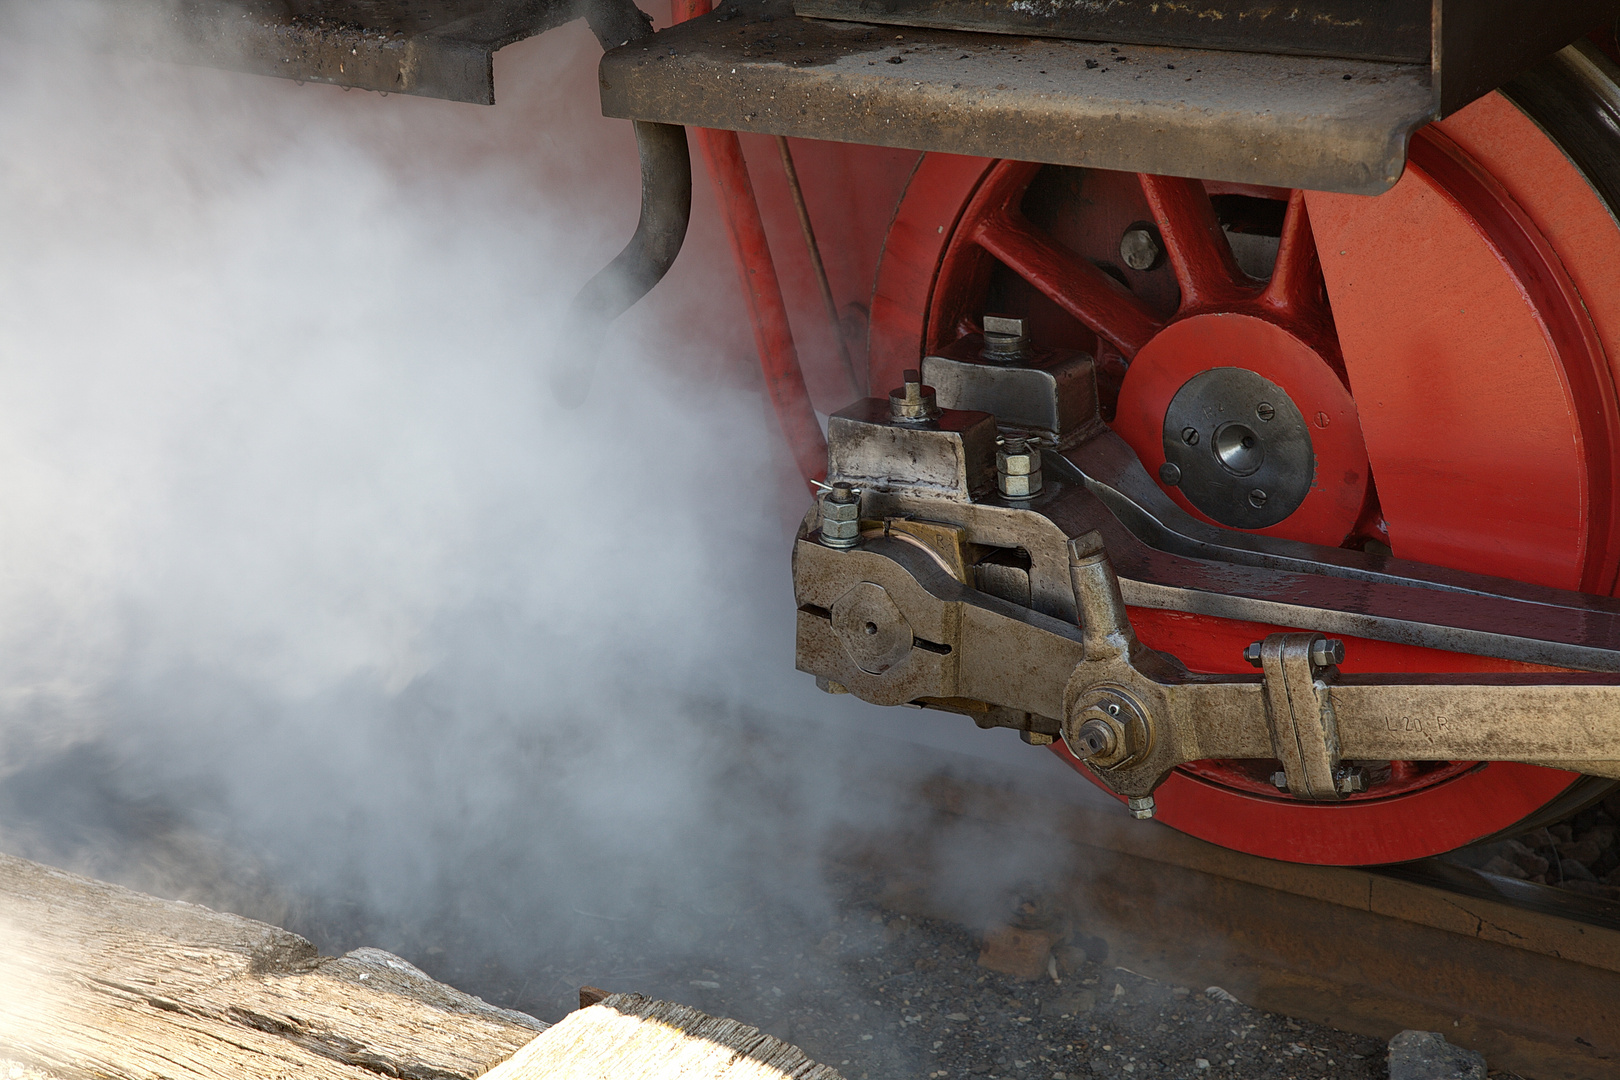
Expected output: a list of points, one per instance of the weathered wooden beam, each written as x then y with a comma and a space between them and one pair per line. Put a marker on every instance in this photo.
631, 1036
101, 983
97, 981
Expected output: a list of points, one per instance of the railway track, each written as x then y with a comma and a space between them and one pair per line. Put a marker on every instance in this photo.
1527, 974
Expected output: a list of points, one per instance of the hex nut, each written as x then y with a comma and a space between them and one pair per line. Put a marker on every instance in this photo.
1128, 737
1327, 652
841, 517
1096, 738
1018, 469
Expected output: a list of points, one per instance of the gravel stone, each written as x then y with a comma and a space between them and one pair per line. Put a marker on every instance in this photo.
1425, 1055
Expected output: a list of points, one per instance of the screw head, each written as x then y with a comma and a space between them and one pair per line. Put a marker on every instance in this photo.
1139, 248
1170, 473
1251, 653
1265, 410
1189, 435
1257, 498
1279, 780
1140, 806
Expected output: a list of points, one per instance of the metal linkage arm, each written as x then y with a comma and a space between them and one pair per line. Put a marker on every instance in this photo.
893, 622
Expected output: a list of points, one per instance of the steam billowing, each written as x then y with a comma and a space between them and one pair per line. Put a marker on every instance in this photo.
297, 555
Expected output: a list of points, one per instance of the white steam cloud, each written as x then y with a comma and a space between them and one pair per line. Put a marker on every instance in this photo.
294, 541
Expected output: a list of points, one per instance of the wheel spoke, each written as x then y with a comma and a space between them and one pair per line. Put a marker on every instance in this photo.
1296, 288
1197, 248
1069, 281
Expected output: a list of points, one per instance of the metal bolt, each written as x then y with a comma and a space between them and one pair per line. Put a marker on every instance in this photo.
1096, 738
1279, 780
1170, 473
1257, 498
1140, 806
1265, 410
1006, 340
1352, 780
912, 403
1139, 248
1189, 435
841, 516
1327, 652
1018, 467
1251, 653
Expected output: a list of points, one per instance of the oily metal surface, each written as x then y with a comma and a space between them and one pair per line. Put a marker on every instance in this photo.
429, 48
1338, 125
1525, 974
1240, 448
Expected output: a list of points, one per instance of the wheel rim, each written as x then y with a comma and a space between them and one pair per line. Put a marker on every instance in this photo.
1510, 475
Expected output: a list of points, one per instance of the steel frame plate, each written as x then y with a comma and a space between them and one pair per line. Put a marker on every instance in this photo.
428, 48
1395, 30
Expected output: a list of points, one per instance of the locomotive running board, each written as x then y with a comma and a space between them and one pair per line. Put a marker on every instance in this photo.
1289, 121
753, 65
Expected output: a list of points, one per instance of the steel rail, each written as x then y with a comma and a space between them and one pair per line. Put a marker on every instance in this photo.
1528, 975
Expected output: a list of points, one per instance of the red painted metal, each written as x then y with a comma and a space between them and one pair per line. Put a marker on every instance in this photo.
1492, 223
1195, 245
767, 312
1495, 424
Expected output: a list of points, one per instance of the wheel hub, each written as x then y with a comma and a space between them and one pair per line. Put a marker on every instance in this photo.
1195, 406
1238, 448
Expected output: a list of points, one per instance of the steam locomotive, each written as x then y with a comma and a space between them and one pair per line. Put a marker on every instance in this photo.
1226, 396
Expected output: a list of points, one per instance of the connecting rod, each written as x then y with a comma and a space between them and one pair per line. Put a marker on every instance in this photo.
892, 622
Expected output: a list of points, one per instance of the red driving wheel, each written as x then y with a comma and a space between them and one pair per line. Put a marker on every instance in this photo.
1447, 345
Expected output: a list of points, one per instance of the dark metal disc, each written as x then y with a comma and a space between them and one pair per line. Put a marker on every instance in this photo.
1241, 446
